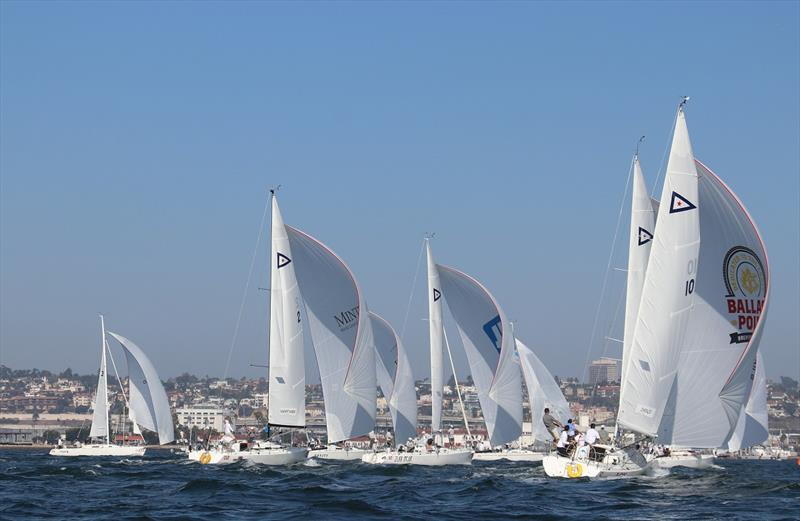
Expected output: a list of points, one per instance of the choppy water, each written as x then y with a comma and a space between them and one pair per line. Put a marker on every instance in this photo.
162, 485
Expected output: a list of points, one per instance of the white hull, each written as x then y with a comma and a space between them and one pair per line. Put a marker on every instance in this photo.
260, 456
338, 454
99, 450
692, 461
614, 464
431, 459
527, 456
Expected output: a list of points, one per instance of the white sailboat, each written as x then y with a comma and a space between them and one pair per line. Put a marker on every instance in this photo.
146, 400
424, 453
688, 368
286, 363
341, 333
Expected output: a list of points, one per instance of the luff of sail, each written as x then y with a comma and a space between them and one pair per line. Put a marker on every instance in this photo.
752, 428
436, 335
287, 380
342, 336
147, 398
100, 414
543, 391
489, 343
716, 368
640, 242
395, 378
667, 295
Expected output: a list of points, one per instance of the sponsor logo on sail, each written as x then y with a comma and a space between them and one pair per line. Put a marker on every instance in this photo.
347, 319
679, 203
494, 331
746, 286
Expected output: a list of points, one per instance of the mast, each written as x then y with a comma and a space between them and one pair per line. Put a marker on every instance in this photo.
104, 375
455, 379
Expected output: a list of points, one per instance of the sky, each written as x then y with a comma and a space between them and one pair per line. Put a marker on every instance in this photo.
138, 142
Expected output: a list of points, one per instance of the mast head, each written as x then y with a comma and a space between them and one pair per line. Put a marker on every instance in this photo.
684, 101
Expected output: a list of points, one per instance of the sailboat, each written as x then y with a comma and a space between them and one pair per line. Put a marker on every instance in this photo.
423, 453
146, 402
286, 363
341, 333
690, 356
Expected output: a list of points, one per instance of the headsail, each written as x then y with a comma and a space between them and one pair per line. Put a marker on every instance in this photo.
641, 239
100, 414
753, 425
667, 296
543, 391
489, 342
436, 332
341, 334
147, 398
716, 368
287, 377
395, 378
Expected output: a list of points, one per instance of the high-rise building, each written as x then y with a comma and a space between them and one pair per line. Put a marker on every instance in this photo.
604, 370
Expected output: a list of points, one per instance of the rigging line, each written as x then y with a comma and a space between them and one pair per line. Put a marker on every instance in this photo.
455, 380
246, 287
121, 387
613, 321
607, 271
662, 164
413, 287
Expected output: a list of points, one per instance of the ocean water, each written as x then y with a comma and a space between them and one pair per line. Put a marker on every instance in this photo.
163, 485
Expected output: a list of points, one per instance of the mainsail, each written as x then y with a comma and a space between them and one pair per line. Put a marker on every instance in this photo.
100, 414
718, 357
489, 343
436, 333
147, 398
395, 378
753, 425
667, 296
641, 239
341, 334
543, 391
287, 377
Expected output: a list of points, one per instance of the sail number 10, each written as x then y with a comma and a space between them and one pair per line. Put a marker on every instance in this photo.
690, 269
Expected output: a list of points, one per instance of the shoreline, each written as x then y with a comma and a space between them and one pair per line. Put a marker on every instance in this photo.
47, 446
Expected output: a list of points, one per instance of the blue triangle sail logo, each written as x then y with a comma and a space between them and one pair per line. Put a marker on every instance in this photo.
283, 260
680, 204
644, 236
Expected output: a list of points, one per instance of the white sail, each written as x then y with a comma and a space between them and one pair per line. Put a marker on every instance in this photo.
641, 239
489, 342
543, 391
100, 414
752, 427
718, 356
435, 331
287, 377
342, 336
395, 378
147, 399
667, 296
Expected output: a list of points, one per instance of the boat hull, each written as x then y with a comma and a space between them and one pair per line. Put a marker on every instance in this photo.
526, 456
429, 459
560, 467
338, 454
692, 461
260, 456
99, 451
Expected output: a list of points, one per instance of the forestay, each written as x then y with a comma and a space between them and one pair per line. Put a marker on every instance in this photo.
543, 391
146, 396
489, 343
752, 427
718, 357
436, 334
667, 294
395, 378
287, 381
341, 334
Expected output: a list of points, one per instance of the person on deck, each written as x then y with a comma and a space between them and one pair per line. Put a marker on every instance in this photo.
451, 435
563, 442
552, 425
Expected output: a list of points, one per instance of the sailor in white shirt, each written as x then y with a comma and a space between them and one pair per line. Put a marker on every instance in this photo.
591, 435
563, 442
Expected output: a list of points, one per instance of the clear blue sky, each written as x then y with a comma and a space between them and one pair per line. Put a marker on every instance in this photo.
137, 141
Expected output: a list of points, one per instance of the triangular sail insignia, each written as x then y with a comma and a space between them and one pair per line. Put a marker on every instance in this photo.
283, 260
679, 203
436, 294
644, 236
